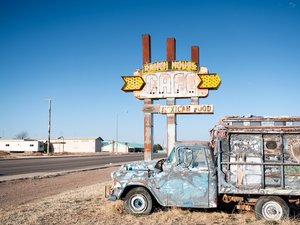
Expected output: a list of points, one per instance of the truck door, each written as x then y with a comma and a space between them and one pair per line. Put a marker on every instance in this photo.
187, 183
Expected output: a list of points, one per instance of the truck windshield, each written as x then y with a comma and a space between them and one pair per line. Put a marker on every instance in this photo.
199, 158
171, 157
192, 157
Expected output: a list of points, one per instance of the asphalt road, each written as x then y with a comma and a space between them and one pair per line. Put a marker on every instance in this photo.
9, 167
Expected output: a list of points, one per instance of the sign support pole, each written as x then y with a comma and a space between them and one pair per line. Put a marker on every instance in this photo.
49, 128
171, 118
195, 54
148, 133
146, 48
148, 116
171, 127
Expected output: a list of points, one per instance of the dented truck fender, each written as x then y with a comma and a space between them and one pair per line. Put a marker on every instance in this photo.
136, 185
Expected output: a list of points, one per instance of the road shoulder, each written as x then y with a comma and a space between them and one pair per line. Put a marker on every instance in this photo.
22, 191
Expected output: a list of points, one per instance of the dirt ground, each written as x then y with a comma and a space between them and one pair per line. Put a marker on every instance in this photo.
78, 198
17, 192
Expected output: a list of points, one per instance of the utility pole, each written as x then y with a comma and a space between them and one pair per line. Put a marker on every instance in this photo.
49, 127
117, 133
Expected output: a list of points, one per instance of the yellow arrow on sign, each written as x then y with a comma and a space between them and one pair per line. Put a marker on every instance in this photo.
209, 81
133, 83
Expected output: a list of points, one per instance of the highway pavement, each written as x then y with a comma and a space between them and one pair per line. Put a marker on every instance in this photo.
37, 166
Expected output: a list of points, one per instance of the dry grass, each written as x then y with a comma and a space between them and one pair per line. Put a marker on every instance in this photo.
4, 154
88, 206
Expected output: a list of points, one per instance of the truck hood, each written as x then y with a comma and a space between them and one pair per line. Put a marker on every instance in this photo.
140, 165
135, 171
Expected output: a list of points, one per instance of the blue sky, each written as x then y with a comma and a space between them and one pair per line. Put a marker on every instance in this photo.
75, 52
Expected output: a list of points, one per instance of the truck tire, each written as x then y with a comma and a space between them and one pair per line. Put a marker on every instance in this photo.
138, 201
271, 208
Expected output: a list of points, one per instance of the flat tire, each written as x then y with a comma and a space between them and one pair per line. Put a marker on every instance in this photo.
272, 208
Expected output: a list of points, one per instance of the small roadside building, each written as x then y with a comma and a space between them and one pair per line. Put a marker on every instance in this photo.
21, 145
121, 147
76, 145
82, 145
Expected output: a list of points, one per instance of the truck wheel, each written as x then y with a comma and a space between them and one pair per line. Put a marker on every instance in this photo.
138, 201
271, 208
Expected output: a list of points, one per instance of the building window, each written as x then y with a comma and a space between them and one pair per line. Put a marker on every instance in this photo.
237, 123
279, 123
255, 123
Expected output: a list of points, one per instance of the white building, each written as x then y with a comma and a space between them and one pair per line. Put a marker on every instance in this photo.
76, 145
121, 147
21, 145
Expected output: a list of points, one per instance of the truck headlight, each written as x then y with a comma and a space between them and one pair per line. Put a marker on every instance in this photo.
117, 184
112, 175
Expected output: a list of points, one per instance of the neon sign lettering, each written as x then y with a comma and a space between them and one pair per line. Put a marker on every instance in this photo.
167, 66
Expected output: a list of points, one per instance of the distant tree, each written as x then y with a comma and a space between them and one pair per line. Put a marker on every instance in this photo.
157, 147
22, 135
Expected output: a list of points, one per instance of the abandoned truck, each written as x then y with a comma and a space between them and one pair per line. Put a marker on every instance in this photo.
252, 162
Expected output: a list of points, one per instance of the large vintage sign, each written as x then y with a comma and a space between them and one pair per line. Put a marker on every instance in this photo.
170, 80
177, 80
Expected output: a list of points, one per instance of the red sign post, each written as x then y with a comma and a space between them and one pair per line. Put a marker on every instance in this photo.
148, 116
